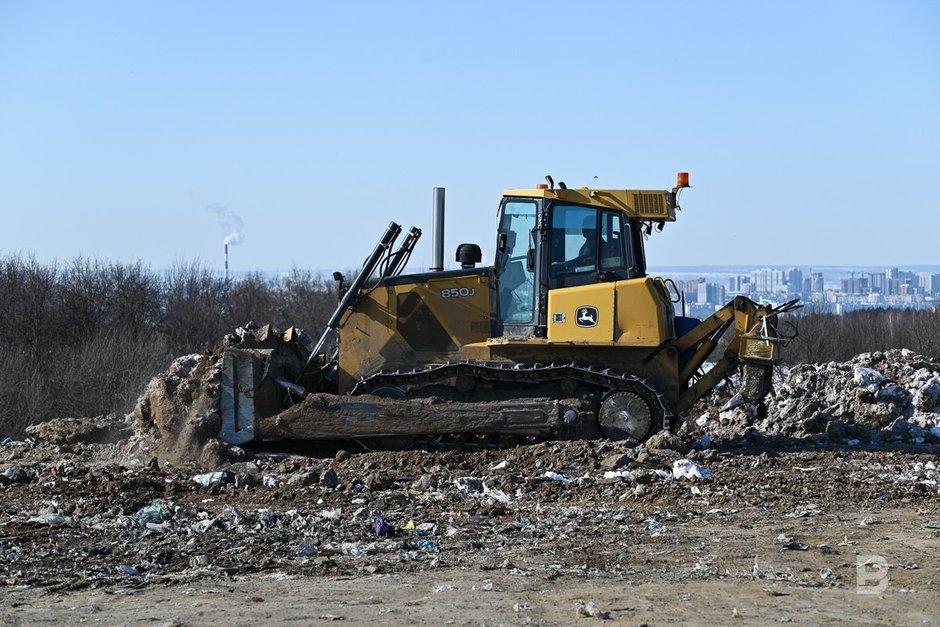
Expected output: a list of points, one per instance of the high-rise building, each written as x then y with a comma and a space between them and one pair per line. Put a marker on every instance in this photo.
818, 283
795, 279
767, 280
711, 293
928, 283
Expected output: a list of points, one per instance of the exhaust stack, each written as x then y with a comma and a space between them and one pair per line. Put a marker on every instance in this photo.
226, 262
437, 232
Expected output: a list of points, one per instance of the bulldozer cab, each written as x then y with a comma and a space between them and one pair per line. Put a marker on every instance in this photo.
545, 244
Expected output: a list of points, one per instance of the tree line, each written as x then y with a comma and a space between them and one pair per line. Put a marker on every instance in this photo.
83, 337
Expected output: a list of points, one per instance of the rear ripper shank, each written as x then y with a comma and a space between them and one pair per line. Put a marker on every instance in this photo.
564, 336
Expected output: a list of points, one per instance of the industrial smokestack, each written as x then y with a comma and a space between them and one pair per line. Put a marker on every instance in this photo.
437, 231
226, 262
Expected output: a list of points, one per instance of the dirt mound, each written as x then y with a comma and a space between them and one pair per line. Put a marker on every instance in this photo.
107, 429
177, 416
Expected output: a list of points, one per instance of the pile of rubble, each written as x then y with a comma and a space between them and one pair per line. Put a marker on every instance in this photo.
875, 398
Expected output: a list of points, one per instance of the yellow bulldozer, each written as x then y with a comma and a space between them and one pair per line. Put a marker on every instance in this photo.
565, 335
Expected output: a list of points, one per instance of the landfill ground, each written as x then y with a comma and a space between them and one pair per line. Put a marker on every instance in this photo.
823, 509
772, 536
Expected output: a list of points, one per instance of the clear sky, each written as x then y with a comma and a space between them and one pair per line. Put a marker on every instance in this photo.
130, 130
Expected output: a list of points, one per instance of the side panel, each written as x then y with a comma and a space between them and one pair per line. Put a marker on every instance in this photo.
582, 314
627, 313
644, 314
405, 324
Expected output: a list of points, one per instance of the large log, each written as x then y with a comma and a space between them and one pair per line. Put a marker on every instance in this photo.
328, 417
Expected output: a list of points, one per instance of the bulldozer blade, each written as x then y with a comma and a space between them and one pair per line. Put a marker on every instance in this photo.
237, 404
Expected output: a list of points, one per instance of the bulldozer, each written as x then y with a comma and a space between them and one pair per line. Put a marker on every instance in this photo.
565, 335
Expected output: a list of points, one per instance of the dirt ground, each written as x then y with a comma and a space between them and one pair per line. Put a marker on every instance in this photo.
555, 533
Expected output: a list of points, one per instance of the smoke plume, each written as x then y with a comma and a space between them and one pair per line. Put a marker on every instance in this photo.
230, 223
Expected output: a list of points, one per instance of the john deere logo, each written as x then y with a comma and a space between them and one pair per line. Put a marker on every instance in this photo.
586, 316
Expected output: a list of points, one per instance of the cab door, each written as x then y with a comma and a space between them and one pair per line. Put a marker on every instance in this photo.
517, 248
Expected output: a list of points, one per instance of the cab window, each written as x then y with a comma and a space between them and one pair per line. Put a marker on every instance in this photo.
573, 240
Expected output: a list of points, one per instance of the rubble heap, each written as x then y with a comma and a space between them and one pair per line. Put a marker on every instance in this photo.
879, 396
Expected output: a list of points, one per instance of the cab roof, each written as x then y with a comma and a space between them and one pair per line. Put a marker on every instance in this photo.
643, 204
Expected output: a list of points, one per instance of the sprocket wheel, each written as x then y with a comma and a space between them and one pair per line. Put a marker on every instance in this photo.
627, 416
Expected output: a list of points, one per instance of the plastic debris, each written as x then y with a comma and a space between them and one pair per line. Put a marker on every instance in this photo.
53, 519
12, 442
793, 546
382, 528
805, 511
554, 476
687, 469
735, 401
470, 485
590, 610
210, 478
156, 512
430, 546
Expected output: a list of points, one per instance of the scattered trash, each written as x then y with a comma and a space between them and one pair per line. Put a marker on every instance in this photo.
428, 546
53, 519
307, 550
382, 528
156, 512
470, 485
805, 511
686, 468
793, 546
554, 476
735, 401
210, 478
12, 442
908, 565
130, 570
589, 610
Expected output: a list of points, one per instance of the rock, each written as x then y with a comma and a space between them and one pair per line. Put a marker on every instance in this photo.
617, 460
668, 441
329, 479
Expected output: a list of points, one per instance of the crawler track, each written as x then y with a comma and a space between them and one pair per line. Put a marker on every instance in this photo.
577, 378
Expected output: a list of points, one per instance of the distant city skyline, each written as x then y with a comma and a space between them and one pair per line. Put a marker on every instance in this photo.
844, 289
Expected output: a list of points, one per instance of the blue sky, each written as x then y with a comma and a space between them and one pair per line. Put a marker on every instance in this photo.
811, 129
